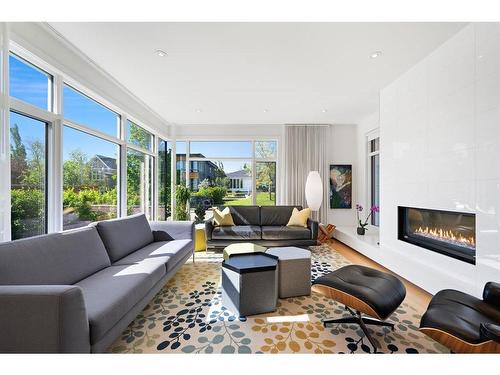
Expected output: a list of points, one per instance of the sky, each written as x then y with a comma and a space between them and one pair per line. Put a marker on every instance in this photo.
31, 85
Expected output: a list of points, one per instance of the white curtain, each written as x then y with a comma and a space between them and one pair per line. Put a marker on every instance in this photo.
305, 151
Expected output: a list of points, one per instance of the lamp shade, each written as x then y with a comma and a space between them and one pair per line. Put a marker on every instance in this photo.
314, 190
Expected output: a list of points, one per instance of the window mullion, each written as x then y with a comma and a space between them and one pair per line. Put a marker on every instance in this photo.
55, 162
122, 165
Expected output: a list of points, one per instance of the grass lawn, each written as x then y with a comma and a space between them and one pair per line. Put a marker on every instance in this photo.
262, 200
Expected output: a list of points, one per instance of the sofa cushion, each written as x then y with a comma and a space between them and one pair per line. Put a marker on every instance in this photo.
245, 215
237, 232
166, 253
222, 218
285, 233
299, 218
125, 235
110, 293
276, 215
53, 259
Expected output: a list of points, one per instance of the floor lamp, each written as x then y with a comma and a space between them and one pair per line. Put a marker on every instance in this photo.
314, 192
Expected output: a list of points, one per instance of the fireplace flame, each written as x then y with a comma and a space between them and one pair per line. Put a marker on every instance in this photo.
447, 236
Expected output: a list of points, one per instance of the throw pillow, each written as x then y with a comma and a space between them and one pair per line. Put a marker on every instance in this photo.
160, 235
299, 218
223, 218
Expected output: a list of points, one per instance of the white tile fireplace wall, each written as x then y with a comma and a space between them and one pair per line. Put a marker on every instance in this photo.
440, 148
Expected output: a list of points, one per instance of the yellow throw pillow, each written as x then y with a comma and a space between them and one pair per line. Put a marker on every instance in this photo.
299, 218
223, 218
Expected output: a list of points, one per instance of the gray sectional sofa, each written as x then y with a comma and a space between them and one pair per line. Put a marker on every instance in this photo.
77, 291
262, 225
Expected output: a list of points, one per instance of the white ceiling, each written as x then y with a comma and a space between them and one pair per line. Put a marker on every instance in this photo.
257, 73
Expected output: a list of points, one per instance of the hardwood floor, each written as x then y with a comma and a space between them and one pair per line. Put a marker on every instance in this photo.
415, 295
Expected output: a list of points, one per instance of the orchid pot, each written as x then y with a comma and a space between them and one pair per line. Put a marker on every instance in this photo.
362, 226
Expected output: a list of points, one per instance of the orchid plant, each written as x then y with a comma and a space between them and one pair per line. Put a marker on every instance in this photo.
359, 209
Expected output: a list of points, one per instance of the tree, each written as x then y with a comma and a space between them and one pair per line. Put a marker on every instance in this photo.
139, 136
266, 171
266, 176
76, 170
17, 156
34, 175
219, 176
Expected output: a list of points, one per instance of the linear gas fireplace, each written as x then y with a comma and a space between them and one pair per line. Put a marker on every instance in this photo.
446, 232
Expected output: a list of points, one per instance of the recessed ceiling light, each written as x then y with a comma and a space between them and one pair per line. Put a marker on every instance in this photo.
324, 110
375, 54
161, 53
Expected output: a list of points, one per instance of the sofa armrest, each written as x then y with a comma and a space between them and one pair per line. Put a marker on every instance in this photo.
491, 294
209, 227
490, 331
43, 319
178, 230
314, 227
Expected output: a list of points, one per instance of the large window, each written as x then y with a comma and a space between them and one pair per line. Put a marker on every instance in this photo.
227, 173
374, 165
28, 145
86, 111
138, 136
29, 83
139, 183
90, 171
89, 152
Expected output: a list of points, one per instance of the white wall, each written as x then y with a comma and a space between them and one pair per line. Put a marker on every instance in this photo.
440, 148
342, 149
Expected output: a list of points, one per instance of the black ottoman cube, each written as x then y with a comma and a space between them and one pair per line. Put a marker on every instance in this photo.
250, 283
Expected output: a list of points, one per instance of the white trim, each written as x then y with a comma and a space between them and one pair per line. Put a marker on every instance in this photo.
5, 196
91, 131
373, 134
55, 163
35, 112
139, 149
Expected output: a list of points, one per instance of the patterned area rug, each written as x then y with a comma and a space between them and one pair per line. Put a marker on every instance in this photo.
186, 316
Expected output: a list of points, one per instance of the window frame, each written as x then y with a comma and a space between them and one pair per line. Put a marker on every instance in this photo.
370, 136
50, 89
48, 187
253, 159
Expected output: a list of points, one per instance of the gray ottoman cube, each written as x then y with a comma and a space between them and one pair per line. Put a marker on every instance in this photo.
294, 271
250, 284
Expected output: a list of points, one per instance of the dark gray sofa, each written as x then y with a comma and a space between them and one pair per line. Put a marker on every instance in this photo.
262, 225
77, 291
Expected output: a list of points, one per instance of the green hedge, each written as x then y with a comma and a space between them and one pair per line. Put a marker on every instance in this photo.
27, 204
216, 193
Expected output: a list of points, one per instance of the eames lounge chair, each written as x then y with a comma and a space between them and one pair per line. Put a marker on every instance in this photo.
464, 323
